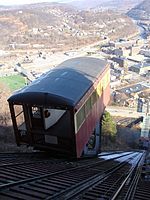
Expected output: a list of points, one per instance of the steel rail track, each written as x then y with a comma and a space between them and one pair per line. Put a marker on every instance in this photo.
143, 183
28, 170
130, 186
127, 189
103, 186
13, 158
111, 187
13, 172
52, 185
143, 191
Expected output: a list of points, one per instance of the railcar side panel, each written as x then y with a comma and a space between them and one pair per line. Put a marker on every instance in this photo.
88, 126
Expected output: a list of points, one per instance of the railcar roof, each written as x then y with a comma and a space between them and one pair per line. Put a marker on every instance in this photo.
64, 85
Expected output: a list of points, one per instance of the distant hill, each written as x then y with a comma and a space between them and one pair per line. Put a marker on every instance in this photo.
59, 26
123, 5
141, 11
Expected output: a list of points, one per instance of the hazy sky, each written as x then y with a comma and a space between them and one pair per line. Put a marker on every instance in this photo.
16, 2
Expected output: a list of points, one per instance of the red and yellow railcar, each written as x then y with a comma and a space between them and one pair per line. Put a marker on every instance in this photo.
61, 111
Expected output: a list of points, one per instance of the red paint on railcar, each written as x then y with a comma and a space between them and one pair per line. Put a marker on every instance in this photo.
88, 126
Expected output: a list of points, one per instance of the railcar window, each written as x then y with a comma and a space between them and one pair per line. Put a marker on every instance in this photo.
84, 111
36, 113
108, 77
88, 106
80, 117
104, 81
99, 89
93, 97
51, 116
19, 115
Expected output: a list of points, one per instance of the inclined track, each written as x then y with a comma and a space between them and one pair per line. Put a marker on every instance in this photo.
60, 179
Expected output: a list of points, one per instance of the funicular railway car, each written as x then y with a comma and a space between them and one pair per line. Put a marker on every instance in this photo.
61, 111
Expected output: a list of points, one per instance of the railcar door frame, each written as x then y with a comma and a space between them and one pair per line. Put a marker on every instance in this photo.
15, 125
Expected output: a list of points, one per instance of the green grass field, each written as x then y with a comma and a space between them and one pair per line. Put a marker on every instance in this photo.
13, 82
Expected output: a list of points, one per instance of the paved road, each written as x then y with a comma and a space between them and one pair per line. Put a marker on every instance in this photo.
123, 111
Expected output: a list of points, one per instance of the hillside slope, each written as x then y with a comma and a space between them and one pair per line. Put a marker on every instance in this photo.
141, 11
59, 26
